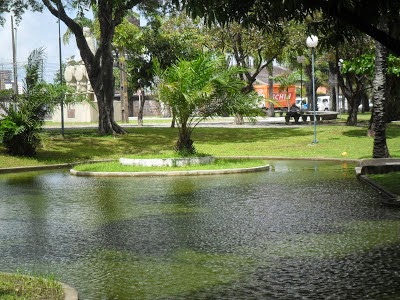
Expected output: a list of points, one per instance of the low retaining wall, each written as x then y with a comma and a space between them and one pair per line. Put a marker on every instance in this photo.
170, 173
168, 162
379, 166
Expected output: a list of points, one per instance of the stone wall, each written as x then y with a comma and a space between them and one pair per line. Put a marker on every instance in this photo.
152, 107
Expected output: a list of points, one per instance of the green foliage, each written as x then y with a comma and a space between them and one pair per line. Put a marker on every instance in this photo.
199, 89
287, 80
161, 40
394, 65
24, 116
360, 65
365, 65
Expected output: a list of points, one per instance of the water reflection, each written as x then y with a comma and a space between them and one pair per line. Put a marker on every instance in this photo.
303, 230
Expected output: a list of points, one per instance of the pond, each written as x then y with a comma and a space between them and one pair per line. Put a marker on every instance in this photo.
303, 230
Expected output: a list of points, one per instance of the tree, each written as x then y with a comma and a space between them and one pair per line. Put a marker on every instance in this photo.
358, 71
364, 15
380, 147
250, 48
163, 40
23, 119
382, 24
199, 89
99, 66
355, 80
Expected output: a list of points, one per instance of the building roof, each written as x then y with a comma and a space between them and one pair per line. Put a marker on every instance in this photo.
262, 78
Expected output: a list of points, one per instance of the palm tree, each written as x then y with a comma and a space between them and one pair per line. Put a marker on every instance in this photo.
23, 120
379, 84
200, 89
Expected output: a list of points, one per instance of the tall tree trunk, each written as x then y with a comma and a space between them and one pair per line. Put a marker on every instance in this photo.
99, 66
107, 124
309, 88
380, 149
142, 99
352, 110
123, 88
333, 86
271, 110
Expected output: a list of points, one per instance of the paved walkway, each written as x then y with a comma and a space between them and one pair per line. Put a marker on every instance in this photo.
217, 122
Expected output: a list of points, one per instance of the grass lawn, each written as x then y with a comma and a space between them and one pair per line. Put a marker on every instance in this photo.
20, 287
84, 144
217, 165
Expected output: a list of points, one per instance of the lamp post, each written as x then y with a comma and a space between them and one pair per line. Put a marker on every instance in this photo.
340, 106
300, 60
312, 42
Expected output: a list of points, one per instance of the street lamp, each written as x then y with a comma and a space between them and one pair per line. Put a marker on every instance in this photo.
312, 42
300, 60
340, 106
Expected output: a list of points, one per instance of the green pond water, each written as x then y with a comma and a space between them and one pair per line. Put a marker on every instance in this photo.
303, 230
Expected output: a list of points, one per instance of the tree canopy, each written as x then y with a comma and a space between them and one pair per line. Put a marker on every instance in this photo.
363, 15
99, 65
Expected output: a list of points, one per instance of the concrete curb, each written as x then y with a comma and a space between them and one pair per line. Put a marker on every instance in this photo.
379, 166
49, 167
170, 173
392, 199
352, 160
69, 292
34, 168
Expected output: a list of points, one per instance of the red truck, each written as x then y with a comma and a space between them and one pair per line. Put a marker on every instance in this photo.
283, 98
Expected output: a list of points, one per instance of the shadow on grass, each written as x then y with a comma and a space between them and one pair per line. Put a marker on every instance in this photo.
392, 131
85, 144
243, 135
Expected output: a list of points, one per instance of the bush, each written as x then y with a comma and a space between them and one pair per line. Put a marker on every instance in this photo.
19, 135
24, 117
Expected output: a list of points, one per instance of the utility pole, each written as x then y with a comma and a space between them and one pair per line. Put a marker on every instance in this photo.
14, 51
61, 73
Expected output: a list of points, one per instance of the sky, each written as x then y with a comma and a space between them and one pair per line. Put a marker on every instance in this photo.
34, 31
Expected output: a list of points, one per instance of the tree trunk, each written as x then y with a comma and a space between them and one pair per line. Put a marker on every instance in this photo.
123, 89
107, 124
365, 102
99, 66
380, 149
333, 86
239, 120
271, 110
352, 110
184, 145
141, 107
309, 88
